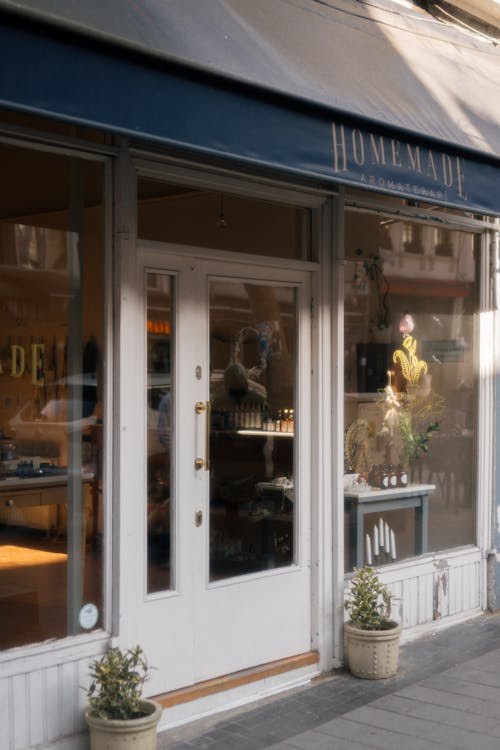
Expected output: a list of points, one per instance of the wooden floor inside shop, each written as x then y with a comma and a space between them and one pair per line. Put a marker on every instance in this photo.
33, 584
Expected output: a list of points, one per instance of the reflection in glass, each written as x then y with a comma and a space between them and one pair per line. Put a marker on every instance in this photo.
159, 435
410, 389
253, 332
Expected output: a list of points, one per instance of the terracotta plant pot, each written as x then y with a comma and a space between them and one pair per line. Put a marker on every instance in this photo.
373, 654
116, 734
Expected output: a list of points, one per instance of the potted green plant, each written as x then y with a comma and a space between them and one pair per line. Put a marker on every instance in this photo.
372, 638
117, 715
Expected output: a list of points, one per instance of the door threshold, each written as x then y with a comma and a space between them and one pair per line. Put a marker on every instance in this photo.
236, 679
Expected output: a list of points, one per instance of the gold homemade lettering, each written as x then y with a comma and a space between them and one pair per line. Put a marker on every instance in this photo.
17, 361
37, 352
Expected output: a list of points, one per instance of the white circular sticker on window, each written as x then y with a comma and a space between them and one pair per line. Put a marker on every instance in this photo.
88, 616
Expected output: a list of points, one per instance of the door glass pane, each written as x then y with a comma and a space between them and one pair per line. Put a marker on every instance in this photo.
253, 344
159, 430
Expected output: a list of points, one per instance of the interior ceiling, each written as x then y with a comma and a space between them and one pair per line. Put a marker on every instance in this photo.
34, 182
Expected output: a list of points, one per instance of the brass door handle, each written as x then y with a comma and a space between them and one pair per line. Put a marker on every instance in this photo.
198, 518
203, 407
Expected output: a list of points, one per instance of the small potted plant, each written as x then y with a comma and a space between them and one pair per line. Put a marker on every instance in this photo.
117, 715
372, 638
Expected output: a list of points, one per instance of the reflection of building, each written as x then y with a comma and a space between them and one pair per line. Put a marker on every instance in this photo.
226, 246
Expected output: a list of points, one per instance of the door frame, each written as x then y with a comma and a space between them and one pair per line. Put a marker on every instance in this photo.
193, 594
327, 536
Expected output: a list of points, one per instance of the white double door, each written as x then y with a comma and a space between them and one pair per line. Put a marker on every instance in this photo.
215, 511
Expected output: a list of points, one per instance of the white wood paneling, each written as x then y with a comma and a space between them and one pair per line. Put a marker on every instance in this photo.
430, 589
41, 705
20, 719
69, 697
52, 696
83, 680
41, 700
6, 713
36, 707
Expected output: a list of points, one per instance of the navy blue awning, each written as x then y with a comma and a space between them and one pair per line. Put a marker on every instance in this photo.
360, 93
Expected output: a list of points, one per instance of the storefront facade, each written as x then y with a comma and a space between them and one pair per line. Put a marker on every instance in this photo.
247, 345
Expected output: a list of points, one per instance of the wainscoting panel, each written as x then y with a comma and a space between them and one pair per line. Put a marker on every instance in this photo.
433, 588
41, 696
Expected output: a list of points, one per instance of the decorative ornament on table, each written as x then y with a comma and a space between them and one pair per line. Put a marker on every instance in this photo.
409, 409
420, 405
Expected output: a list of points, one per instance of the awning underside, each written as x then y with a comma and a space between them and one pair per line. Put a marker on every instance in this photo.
389, 64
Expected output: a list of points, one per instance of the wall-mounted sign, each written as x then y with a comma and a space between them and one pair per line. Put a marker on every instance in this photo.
379, 161
158, 326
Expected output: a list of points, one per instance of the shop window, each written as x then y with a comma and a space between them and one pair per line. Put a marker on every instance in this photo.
208, 218
51, 398
410, 392
412, 238
443, 244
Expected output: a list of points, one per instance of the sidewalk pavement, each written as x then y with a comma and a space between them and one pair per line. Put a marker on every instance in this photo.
446, 695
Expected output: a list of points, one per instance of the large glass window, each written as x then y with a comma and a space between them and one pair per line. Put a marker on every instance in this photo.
410, 391
51, 397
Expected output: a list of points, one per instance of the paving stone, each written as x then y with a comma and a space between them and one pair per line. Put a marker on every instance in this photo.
394, 702
423, 729
488, 662
474, 674
421, 692
461, 687
318, 741
486, 708
376, 737
467, 720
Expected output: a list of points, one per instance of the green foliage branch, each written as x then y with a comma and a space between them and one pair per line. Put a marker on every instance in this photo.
115, 691
415, 443
369, 602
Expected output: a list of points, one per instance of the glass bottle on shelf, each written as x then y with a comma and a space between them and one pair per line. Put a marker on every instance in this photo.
277, 422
